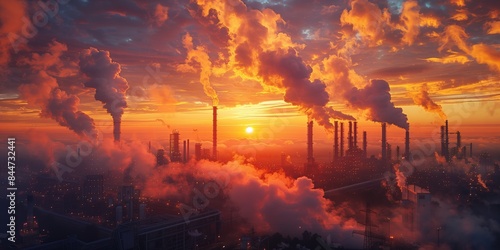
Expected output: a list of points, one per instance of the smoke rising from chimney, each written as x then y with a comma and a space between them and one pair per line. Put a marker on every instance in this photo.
423, 99
104, 76
200, 56
374, 98
43, 90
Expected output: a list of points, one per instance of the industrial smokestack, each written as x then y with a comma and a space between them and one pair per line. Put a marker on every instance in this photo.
459, 140
364, 144
184, 152
187, 152
397, 153
310, 158
341, 139
116, 127
214, 141
407, 144
447, 142
355, 143
443, 147
384, 142
336, 141
349, 137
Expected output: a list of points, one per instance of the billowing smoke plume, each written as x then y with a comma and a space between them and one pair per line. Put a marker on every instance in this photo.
200, 56
42, 90
270, 202
310, 96
423, 99
258, 51
104, 75
374, 98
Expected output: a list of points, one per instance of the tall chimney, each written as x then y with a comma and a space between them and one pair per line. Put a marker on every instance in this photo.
310, 158
187, 151
447, 156
407, 145
349, 137
214, 140
459, 140
341, 139
384, 142
116, 128
184, 152
355, 143
397, 153
336, 141
443, 147
364, 144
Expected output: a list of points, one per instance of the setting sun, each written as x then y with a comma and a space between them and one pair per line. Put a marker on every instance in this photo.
249, 130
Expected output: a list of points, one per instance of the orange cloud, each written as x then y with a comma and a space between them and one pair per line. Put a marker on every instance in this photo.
461, 15
367, 20
453, 58
459, 3
486, 54
493, 27
411, 19
161, 14
12, 18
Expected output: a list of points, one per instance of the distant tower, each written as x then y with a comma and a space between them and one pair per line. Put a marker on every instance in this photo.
175, 154
341, 139
197, 151
447, 142
310, 157
160, 157
365, 143
336, 141
443, 146
407, 144
187, 152
355, 136
310, 166
184, 152
397, 153
384, 142
349, 137
214, 141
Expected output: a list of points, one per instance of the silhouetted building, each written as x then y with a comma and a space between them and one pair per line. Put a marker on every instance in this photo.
93, 186
160, 157
197, 151
175, 153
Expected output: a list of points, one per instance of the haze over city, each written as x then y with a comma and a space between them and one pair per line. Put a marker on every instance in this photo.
270, 124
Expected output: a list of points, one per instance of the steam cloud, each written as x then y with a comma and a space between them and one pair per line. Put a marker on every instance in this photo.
374, 98
43, 91
104, 76
423, 99
259, 52
200, 56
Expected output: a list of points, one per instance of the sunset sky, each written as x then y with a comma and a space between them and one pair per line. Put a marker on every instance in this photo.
267, 64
